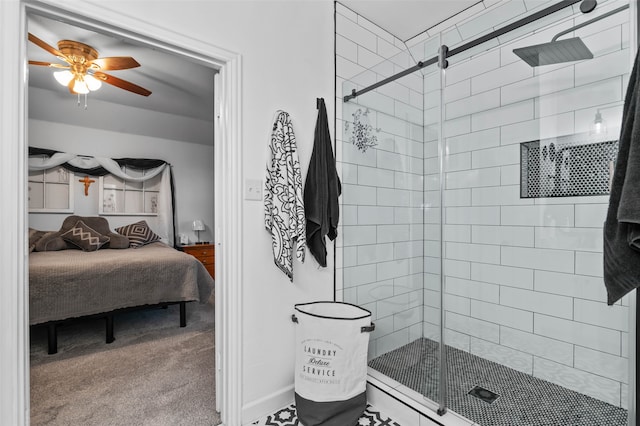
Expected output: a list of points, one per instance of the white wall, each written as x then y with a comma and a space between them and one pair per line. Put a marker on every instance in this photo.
287, 52
192, 167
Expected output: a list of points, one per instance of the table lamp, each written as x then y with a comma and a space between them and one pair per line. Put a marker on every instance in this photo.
198, 226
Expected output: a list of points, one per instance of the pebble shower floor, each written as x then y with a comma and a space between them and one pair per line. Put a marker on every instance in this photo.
523, 400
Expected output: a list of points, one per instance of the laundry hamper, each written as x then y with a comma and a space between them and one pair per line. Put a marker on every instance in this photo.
332, 340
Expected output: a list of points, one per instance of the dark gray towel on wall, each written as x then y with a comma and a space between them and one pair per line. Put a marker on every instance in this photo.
321, 190
622, 225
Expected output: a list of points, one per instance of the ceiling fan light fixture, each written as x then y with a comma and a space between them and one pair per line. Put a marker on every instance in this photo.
63, 77
92, 83
80, 87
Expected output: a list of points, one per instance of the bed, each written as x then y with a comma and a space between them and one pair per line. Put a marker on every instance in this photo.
72, 283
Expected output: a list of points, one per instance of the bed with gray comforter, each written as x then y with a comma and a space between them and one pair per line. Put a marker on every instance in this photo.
72, 283
109, 273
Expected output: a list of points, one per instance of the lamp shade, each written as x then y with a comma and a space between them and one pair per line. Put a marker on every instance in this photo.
198, 225
63, 77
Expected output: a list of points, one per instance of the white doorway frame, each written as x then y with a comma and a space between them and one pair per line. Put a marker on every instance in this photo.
14, 306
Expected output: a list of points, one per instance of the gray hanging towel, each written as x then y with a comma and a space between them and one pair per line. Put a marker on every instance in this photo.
321, 190
283, 206
622, 225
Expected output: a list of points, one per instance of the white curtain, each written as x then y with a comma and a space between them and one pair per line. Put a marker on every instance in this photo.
162, 224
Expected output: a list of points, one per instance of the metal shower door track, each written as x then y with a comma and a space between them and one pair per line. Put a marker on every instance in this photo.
497, 33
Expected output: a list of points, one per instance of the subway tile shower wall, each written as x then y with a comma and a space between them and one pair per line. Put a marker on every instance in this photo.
523, 277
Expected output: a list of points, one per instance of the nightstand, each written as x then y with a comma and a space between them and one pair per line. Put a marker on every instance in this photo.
204, 253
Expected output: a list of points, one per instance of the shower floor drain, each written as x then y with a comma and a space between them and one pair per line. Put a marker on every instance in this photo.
484, 394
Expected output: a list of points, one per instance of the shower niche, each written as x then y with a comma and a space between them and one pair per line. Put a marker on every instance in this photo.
566, 167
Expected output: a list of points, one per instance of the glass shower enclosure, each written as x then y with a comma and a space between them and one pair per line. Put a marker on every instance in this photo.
474, 195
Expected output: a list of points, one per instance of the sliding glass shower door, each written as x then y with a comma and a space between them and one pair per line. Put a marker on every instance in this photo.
473, 205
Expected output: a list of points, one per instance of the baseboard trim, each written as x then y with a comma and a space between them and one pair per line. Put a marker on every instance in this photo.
267, 405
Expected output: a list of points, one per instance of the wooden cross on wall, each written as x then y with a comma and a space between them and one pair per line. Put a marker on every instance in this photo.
86, 182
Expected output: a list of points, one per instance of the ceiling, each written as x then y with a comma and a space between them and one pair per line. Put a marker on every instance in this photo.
407, 18
179, 86
181, 104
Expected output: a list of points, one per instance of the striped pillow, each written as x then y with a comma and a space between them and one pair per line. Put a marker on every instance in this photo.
138, 233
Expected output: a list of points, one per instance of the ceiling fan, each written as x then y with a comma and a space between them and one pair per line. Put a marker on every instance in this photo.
83, 71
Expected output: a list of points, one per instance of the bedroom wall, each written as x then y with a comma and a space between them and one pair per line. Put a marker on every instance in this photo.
192, 166
287, 53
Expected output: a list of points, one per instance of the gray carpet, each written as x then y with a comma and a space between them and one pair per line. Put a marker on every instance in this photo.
523, 400
155, 373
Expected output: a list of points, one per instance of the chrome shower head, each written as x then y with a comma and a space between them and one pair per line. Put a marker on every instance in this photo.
554, 52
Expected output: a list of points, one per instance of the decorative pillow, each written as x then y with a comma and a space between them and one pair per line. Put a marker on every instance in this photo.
85, 237
139, 234
51, 241
34, 237
117, 241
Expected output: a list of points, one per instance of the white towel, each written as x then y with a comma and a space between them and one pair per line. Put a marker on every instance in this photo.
284, 214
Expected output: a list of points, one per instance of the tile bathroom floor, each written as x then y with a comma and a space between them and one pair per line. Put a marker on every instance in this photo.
287, 416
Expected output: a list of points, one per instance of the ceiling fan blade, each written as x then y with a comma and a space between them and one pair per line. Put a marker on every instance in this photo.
123, 84
49, 64
35, 40
116, 63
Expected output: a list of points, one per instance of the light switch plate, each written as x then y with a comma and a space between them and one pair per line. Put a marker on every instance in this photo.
253, 189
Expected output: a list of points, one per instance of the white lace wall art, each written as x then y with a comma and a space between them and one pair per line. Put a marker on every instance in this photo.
362, 132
